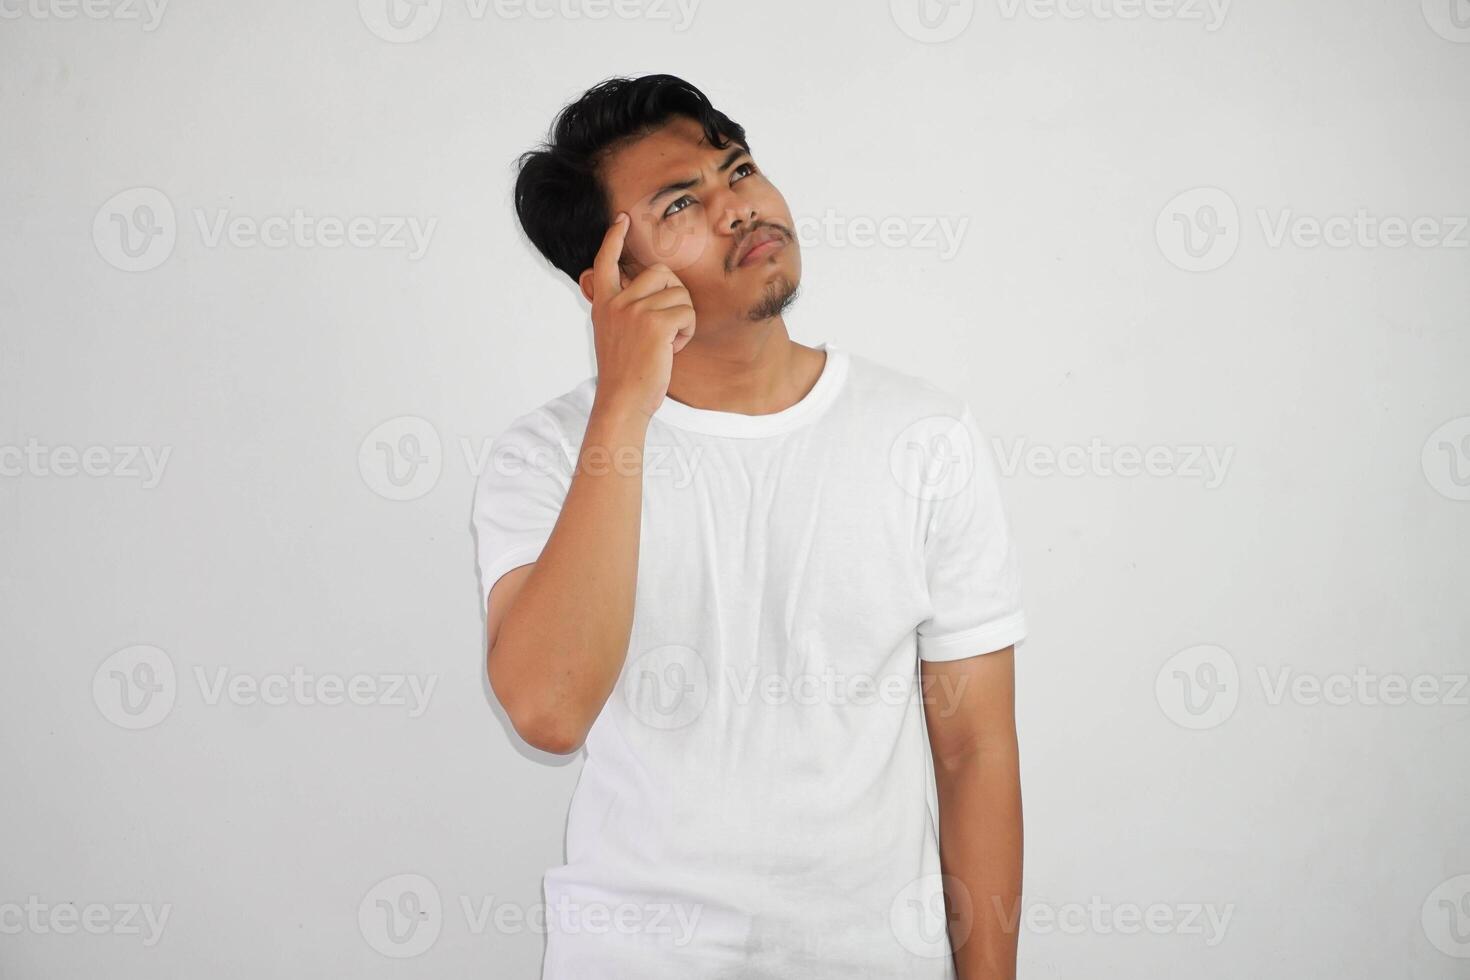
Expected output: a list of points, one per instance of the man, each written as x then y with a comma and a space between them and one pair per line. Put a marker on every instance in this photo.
749, 576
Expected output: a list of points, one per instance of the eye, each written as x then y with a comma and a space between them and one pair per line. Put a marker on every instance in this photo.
674, 208
744, 166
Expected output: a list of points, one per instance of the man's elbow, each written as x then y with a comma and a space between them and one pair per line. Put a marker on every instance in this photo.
537, 725
550, 736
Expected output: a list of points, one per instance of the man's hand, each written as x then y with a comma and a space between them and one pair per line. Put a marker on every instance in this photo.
638, 326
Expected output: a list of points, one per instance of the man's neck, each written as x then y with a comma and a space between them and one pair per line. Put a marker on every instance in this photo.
750, 369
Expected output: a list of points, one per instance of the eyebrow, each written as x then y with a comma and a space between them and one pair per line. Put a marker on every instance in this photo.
683, 185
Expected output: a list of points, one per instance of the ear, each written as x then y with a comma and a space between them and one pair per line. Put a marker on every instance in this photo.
585, 281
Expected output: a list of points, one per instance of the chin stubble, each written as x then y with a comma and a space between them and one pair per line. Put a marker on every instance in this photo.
778, 296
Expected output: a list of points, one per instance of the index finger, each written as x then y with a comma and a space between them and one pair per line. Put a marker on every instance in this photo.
605, 278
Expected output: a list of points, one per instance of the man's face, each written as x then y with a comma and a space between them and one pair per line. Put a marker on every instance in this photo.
698, 209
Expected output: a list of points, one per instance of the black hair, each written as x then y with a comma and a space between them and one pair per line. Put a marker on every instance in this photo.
561, 204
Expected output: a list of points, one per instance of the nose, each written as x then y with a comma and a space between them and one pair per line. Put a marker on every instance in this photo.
738, 214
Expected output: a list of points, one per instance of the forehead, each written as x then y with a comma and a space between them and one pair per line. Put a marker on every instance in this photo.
634, 171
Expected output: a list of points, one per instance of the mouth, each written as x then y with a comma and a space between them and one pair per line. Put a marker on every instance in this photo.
760, 244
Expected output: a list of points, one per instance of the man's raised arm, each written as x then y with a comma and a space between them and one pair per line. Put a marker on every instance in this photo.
559, 628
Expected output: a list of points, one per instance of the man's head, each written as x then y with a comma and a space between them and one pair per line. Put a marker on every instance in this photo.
656, 148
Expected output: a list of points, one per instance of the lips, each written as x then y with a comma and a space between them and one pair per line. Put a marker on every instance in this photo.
760, 242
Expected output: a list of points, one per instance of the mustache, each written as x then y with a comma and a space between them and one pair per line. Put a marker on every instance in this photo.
740, 243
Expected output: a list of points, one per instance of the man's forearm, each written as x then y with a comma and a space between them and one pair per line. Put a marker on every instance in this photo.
561, 647
980, 838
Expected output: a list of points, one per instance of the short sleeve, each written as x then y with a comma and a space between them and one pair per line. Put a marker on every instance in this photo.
971, 565
518, 496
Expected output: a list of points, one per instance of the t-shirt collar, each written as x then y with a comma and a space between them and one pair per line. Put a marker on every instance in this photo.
735, 424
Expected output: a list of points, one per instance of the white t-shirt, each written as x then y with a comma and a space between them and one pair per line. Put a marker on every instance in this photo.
757, 798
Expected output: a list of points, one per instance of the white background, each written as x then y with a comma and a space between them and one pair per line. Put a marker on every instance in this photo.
1332, 542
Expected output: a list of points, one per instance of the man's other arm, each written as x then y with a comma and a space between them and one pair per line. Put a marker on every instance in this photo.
969, 707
